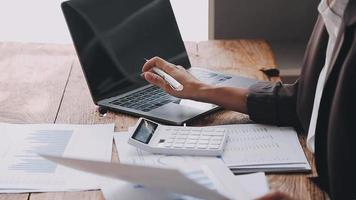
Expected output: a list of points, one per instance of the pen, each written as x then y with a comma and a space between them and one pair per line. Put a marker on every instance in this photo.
169, 79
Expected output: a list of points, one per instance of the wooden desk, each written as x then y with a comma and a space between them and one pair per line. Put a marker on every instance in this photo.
42, 83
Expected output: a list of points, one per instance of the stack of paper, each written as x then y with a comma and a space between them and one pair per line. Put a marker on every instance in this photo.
22, 170
253, 147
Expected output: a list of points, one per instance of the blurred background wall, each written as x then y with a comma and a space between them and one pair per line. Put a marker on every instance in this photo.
285, 24
42, 20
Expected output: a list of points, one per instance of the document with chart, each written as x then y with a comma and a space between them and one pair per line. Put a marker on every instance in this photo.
22, 169
255, 147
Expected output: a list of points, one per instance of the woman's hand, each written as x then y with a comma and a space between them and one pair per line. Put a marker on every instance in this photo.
276, 196
227, 97
192, 87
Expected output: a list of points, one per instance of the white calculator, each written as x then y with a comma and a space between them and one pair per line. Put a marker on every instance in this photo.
178, 140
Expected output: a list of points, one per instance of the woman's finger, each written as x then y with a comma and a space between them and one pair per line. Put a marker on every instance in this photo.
179, 67
159, 63
156, 80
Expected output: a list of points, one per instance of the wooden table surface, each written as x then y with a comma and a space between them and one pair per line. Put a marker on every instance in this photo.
44, 83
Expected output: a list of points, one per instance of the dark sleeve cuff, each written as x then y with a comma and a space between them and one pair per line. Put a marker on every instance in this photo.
273, 103
262, 102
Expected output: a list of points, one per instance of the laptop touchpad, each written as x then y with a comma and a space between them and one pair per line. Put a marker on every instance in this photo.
195, 104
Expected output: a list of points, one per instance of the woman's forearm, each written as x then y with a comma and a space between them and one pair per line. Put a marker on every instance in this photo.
226, 97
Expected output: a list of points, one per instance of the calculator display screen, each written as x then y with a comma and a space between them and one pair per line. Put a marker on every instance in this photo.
144, 131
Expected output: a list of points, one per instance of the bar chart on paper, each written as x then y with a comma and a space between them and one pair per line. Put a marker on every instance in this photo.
22, 169
21, 166
26, 159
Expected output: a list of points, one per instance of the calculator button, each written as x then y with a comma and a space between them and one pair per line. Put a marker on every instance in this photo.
216, 138
209, 130
191, 146
193, 137
181, 136
195, 131
202, 146
184, 132
214, 146
178, 145
205, 137
189, 141
203, 141
215, 142
179, 140
215, 134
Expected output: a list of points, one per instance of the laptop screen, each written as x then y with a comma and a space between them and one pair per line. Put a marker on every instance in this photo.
113, 38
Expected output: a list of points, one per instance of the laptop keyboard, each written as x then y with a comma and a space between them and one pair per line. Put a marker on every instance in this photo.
146, 99
153, 97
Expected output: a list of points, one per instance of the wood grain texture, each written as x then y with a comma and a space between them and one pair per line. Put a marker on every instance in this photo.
241, 57
32, 82
87, 195
14, 196
48, 70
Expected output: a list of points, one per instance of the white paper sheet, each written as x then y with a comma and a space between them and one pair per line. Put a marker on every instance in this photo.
114, 189
160, 179
254, 184
23, 170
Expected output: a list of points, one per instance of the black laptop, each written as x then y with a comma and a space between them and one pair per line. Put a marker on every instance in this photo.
112, 38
